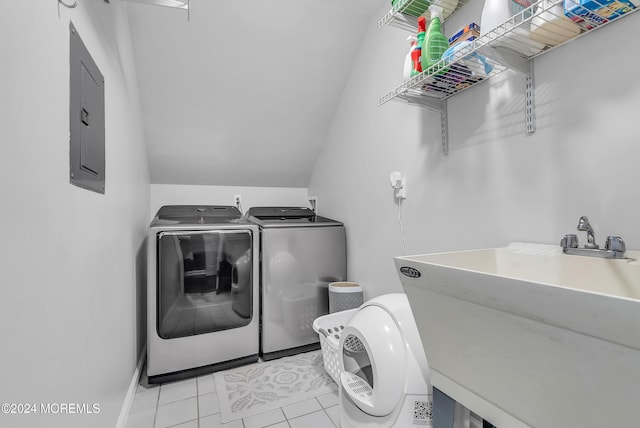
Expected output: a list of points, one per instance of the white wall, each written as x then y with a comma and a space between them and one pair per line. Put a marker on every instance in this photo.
177, 194
496, 185
71, 264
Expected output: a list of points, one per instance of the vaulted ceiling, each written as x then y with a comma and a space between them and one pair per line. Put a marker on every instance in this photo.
243, 92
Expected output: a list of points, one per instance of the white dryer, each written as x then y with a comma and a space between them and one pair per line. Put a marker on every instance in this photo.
385, 378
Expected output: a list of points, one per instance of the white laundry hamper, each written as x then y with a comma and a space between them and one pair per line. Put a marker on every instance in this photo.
329, 328
345, 295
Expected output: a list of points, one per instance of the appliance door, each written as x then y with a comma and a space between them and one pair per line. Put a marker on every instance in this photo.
297, 266
204, 282
202, 297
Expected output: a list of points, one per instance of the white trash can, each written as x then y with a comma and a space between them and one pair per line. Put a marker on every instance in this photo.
345, 295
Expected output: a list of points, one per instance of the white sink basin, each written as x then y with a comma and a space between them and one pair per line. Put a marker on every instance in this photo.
527, 336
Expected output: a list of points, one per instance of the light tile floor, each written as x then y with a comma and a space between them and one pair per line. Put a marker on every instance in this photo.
193, 403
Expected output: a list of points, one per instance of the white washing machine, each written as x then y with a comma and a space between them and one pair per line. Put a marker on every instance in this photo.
202, 293
385, 379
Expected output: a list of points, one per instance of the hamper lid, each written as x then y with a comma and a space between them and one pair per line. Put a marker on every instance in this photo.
345, 287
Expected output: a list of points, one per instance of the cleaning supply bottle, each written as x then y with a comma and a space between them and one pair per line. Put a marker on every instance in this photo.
552, 27
416, 54
408, 60
435, 43
448, 6
498, 13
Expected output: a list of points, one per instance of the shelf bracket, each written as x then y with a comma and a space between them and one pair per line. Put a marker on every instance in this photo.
525, 66
444, 124
439, 105
529, 101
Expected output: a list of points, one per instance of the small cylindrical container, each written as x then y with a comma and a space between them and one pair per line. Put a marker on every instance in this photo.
345, 295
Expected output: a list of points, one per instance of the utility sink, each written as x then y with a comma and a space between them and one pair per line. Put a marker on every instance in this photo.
527, 336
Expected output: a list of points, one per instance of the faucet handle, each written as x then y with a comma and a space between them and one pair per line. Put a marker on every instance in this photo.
569, 241
615, 243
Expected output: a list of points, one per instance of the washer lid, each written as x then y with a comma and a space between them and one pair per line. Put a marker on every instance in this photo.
374, 360
288, 217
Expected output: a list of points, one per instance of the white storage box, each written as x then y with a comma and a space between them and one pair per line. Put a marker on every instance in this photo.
345, 295
329, 328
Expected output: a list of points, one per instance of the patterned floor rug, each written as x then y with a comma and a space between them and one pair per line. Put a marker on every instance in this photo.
264, 386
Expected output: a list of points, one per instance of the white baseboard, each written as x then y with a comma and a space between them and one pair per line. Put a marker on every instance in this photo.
133, 386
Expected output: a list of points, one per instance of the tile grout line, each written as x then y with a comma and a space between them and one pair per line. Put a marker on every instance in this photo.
197, 403
329, 416
303, 414
155, 414
322, 408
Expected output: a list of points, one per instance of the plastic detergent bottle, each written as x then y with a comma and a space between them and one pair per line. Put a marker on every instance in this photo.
408, 60
498, 13
435, 43
416, 54
552, 27
448, 6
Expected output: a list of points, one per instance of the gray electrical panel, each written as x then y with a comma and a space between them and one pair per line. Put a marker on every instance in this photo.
86, 118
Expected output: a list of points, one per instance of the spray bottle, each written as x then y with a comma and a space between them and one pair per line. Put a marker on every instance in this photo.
435, 43
416, 53
408, 60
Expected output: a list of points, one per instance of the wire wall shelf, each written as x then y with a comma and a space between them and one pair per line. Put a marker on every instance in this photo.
404, 14
446, 78
512, 45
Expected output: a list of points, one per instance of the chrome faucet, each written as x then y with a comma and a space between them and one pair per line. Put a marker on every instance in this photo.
614, 247
584, 226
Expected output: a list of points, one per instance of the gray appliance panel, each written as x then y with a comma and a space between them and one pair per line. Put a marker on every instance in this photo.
297, 266
199, 350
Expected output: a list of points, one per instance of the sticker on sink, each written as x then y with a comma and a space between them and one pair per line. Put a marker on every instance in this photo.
410, 272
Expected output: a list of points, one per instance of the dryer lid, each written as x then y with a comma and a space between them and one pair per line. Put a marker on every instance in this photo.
279, 212
288, 217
